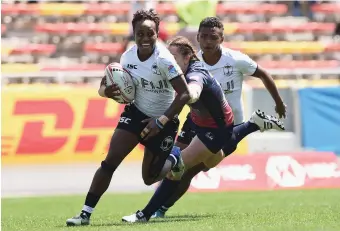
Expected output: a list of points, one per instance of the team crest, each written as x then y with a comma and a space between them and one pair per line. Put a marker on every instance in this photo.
167, 143
228, 70
155, 69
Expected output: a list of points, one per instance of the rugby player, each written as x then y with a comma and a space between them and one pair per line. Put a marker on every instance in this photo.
150, 120
212, 121
229, 68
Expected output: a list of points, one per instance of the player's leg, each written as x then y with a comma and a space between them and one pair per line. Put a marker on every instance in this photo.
259, 121
207, 143
183, 187
157, 160
183, 140
123, 141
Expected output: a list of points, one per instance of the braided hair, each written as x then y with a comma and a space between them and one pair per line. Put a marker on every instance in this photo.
184, 47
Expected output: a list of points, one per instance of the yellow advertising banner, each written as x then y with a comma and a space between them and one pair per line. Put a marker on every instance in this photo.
60, 124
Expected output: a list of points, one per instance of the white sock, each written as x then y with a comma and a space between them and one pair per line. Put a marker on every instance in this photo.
88, 209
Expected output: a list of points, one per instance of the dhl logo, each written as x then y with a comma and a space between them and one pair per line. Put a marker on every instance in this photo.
58, 126
33, 140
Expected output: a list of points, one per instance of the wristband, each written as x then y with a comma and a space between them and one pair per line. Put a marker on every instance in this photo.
159, 124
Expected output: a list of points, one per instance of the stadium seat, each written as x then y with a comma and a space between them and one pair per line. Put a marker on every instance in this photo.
107, 8
3, 28
326, 8
72, 36
251, 9
301, 64
112, 48
43, 49
61, 9
270, 28
76, 67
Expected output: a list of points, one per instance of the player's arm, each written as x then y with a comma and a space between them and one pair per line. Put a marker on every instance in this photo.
182, 97
110, 91
251, 68
269, 83
195, 85
171, 71
101, 90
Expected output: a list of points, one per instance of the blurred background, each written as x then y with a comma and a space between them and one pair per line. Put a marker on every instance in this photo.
53, 54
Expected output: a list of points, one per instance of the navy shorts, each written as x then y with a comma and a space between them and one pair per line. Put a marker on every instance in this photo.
213, 138
187, 133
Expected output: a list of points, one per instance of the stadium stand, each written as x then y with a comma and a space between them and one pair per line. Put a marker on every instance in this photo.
48, 39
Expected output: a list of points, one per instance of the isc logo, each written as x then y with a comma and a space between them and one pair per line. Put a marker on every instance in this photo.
132, 66
124, 120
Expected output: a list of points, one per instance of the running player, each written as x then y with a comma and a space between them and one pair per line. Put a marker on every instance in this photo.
150, 120
212, 120
229, 68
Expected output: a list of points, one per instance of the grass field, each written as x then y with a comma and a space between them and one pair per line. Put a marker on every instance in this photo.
309, 210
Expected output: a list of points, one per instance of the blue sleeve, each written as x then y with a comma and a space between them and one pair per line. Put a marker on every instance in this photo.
195, 77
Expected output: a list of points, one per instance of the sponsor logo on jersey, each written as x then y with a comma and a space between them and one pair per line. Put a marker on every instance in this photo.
172, 70
159, 86
132, 66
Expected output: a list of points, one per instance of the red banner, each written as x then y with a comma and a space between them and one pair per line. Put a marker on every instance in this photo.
268, 172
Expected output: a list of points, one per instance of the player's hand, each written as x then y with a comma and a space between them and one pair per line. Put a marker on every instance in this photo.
150, 130
112, 91
281, 110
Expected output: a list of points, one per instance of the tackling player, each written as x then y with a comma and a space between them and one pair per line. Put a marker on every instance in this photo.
150, 120
212, 121
229, 68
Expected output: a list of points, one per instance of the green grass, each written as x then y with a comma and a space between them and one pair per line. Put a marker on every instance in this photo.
309, 210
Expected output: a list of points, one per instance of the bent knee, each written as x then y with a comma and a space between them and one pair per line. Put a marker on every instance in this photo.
148, 181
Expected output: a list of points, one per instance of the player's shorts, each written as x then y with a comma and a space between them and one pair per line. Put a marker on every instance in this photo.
187, 133
213, 138
161, 144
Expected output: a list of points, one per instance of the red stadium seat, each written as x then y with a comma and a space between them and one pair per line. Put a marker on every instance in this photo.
42, 49
8, 9
300, 64
252, 9
166, 8
107, 8
326, 8
333, 47
73, 28
116, 48
3, 28
75, 67
259, 27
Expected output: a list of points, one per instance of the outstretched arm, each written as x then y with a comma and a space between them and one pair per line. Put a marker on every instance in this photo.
272, 89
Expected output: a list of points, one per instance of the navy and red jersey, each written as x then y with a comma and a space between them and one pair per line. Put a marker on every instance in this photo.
212, 108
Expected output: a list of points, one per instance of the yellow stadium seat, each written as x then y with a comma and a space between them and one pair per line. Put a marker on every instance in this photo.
61, 9
19, 68
279, 47
6, 50
119, 28
230, 28
172, 28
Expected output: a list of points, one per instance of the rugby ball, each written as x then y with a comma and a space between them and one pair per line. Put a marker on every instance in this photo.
116, 74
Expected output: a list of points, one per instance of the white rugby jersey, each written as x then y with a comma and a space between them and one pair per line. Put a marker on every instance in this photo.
154, 93
229, 72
